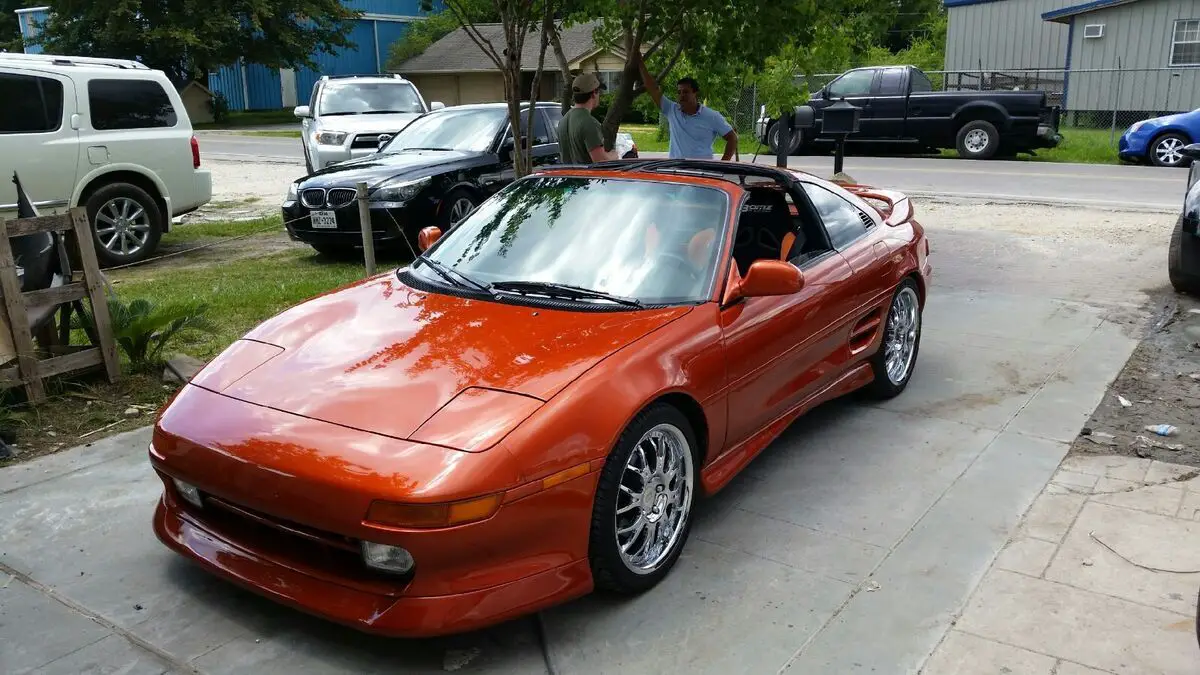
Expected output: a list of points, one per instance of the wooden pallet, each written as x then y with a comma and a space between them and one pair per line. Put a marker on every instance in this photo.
56, 356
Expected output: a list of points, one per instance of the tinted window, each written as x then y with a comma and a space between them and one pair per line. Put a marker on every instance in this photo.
855, 83
129, 104
892, 82
842, 220
31, 104
920, 82
541, 134
555, 116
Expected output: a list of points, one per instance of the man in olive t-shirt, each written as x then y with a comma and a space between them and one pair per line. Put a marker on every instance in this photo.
580, 139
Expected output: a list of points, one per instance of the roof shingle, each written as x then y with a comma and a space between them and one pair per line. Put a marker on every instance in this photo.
457, 53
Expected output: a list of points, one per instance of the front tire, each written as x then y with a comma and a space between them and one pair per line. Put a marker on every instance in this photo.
454, 208
643, 510
1167, 150
978, 139
126, 223
896, 359
773, 139
1184, 279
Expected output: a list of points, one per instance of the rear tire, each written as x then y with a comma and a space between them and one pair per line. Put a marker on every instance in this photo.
901, 340
123, 212
978, 139
1183, 280
635, 499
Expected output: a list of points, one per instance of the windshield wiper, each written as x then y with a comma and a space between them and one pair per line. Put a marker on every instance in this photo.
445, 273
340, 112
389, 112
563, 290
407, 149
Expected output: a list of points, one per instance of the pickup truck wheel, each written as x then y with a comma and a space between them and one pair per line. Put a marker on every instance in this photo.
773, 139
1166, 150
126, 223
978, 139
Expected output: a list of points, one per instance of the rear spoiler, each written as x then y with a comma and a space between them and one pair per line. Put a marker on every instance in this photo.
899, 209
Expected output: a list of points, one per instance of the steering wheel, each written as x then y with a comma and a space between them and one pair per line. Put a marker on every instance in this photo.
680, 262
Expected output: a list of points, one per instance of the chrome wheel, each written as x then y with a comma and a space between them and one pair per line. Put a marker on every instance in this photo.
976, 140
900, 340
1169, 151
122, 226
459, 209
654, 499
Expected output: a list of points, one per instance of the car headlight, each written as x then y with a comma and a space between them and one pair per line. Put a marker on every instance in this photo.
1137, 125
386, 558
292, 193
399, 190
330, 137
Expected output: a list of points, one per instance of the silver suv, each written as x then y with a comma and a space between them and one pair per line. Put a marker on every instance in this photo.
349, 116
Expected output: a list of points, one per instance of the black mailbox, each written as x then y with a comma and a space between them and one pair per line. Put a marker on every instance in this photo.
805, 116
840, 118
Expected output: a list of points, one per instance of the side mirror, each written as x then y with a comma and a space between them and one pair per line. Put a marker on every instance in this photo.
823, 93
506, 148
384, 139
302, 111
1191, 151
427, 237
768, 277
436, 105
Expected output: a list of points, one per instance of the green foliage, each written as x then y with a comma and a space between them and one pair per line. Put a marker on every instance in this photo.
219, 106
188, 39
422, 34
142, 329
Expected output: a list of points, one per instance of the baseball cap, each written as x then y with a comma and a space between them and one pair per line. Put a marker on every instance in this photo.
585, 82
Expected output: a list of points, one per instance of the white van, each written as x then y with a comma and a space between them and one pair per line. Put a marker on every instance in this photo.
107, 134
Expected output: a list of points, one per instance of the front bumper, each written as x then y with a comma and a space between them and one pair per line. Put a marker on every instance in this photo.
370, 608
389, 226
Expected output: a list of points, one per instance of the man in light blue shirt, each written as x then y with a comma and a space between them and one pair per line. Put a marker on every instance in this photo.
692, 126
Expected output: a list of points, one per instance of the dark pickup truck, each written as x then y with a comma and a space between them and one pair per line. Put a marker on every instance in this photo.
900, 106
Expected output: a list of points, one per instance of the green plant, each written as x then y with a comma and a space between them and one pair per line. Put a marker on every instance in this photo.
219, 106
142, 329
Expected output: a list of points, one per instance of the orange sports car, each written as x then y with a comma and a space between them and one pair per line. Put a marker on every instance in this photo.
531, 409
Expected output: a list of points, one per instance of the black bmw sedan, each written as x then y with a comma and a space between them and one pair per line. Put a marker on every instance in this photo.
433, 172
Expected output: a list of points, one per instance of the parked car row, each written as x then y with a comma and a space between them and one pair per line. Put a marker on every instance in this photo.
110, 135
423, 164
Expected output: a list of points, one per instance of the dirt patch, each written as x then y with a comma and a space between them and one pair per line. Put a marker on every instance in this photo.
1161, 385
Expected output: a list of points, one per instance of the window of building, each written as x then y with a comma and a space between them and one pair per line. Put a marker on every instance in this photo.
129, 104
32, 104
610, 79
1185, 43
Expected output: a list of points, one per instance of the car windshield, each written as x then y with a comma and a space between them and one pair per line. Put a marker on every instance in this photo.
366, 98
640, 241
465, 129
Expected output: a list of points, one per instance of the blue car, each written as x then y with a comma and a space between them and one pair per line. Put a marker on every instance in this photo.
1160, 140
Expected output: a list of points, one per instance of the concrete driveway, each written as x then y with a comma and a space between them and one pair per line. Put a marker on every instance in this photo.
848, 547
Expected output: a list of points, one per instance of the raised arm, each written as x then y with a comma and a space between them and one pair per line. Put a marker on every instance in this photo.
648, 81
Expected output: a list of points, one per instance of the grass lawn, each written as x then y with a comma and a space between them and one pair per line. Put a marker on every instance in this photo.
241, 291
252, 118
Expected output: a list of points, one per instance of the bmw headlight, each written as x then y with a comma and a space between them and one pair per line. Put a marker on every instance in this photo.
330, 137
292, 193
399, 190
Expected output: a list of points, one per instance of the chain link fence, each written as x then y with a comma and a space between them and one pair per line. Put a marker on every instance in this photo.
1102, 99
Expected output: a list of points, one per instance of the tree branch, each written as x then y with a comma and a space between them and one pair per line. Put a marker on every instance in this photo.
472, 32
671, 63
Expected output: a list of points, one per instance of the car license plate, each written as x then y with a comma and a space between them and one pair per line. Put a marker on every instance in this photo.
324, 220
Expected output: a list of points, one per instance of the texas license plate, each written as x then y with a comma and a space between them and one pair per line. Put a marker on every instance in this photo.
324, 220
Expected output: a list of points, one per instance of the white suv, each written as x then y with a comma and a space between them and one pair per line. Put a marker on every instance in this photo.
350, 116
107, 134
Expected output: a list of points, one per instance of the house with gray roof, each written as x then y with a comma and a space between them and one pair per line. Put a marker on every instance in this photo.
456, 71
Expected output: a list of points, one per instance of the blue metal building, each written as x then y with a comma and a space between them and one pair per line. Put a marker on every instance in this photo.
251, 86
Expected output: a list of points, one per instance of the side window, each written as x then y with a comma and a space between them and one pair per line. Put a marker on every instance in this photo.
843, 221
892, 82
854, 83
129, 104
553, 117
312, 98
32, 105
920, 82
541, 135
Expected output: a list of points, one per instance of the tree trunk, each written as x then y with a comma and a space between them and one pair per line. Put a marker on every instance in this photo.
536, 85
564, 67
631, 86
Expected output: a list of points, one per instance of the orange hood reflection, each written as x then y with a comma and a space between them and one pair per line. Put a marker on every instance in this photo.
382, 357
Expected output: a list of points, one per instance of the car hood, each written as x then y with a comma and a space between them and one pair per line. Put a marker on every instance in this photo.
380, 167
375, 124
383, 357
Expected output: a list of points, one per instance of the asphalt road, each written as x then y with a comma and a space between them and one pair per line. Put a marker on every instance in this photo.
1135, 187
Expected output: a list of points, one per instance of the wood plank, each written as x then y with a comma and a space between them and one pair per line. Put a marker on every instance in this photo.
10, 377
56, 296
18, 321
60, 222
69, 363
95, 286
